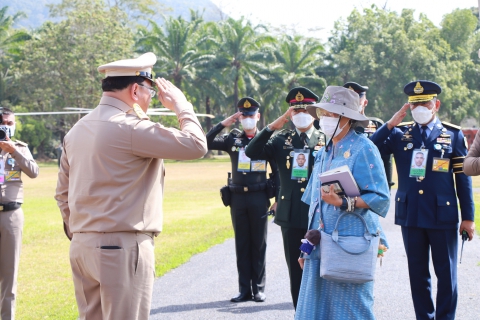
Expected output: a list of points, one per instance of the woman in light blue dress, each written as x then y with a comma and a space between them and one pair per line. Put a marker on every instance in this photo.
338, 114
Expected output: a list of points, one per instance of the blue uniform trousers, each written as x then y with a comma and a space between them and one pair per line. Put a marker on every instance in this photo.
443, 244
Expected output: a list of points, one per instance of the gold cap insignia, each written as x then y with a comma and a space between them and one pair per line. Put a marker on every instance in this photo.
299, 96
137, 73
418, 88
247, 104
350, 88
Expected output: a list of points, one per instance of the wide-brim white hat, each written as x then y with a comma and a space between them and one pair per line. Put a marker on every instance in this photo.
341, 101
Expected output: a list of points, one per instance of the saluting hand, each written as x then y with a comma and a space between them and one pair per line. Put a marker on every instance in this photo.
398, 116
280, 122
231, 120
170, 96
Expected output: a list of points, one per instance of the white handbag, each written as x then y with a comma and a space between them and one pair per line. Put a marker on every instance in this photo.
348, 259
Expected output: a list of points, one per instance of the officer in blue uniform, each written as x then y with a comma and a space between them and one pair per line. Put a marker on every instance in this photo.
426, 200
249, 200
290, 148
373, 125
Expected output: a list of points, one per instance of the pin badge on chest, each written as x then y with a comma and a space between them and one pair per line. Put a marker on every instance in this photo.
292, 153
409, 145
11, 162
233, 148
346, 154
437, 146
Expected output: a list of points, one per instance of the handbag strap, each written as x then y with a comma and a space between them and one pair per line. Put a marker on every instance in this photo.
366, 235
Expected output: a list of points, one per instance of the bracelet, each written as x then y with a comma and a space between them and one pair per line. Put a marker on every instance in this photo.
344, 205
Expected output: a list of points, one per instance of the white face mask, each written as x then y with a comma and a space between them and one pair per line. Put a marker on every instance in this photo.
302, 120
328, 125
422, 115
249, 123
12, 130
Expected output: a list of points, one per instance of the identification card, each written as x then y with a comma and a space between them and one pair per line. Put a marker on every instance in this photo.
243, 161
419, 163
259, 165
300, 164
441, 165
2, 171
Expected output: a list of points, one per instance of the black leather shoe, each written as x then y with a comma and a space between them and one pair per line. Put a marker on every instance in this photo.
242, 297
259, 297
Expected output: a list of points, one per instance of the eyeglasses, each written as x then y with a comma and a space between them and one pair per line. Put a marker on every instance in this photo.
152, 91
324, 113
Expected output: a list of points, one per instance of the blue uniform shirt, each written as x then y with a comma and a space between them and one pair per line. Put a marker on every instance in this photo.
431, 202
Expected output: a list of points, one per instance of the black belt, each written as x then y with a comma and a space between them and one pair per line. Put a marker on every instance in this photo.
235, 188
10, 206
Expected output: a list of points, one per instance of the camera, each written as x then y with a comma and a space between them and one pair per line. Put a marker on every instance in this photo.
4, 133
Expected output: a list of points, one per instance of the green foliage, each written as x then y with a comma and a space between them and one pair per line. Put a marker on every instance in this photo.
11, 41
58, 68
216, 64
385, 51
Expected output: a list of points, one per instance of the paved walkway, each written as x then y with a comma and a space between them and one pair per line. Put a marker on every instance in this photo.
201, 288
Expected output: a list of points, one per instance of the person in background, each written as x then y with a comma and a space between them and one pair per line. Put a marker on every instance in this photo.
426, 200
249, 200
471, 165
291, 213
15, 159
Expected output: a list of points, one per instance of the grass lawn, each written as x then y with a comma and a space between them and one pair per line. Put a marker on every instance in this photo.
194, 220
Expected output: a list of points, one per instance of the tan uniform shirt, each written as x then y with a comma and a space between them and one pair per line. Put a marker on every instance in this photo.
23, 163
111, 170
471, 165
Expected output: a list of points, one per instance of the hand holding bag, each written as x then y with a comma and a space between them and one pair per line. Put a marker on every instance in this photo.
348, 259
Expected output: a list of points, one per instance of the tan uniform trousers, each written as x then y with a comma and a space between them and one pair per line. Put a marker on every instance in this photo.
113, 274
11, 226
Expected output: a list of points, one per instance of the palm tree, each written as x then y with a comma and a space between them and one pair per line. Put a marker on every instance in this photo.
298, 58
175, 45
242, 55
10, 44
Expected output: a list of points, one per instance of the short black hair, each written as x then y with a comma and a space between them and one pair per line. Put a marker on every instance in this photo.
4, 110
120, 83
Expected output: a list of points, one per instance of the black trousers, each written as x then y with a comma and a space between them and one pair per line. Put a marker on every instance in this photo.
249, 221
291, 245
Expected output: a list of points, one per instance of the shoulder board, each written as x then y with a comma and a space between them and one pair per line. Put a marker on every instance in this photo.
403, 124
139, 112
448, 124
236, 132
21, 143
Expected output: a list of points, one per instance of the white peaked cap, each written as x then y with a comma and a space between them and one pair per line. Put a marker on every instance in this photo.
141, 66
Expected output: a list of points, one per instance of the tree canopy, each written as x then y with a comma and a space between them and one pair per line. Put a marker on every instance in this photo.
216, 63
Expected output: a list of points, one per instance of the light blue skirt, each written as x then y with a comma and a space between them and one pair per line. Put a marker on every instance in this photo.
330, 300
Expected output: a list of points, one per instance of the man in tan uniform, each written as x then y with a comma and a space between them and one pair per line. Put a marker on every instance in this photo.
110, 188
15, 158
471, 165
